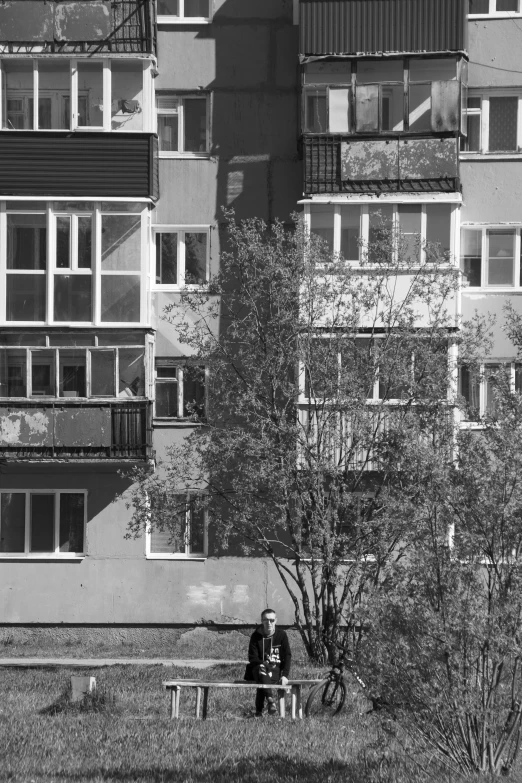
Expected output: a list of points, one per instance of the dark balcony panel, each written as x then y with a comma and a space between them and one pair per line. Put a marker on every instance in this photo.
78, 164
65, 430
336, 164
369, 26
76, 26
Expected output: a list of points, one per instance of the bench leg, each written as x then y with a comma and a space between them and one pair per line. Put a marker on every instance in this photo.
294, 701
299, 689
281, 695
205, 703
198, 701
174, 702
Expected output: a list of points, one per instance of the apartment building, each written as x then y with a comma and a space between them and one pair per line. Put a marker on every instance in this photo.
126, 125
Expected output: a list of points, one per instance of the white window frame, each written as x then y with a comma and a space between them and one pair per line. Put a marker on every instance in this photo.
180, 112
182, 19
517, 229
485, 96
180, 230
147, 89
497, 14
186, 555
365, 221
96, 273
466, 423
56, 555
178, 366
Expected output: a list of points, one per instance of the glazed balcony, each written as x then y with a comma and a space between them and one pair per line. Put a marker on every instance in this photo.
77, 26
78, 431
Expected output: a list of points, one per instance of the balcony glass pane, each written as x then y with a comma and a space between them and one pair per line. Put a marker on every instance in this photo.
195, 124
420, 107
73, 298
479, 6
322, 222
25, 297
42, 373
410, 217
471, 255
90, 88
392, 107
197, 531
63, 242
492, 372
503, 124
13, 374
195, 257
121, 243
17, 113
102, 374
12, 522
470, 390
194, 391
431, 70
315, 111
84, 223
168, 132
339, 110
131, 373
472, 144
507, 5
501, 257
127, 95
72, 374
26, 241
166, 259
72, 514
378, 71
438, 226
42, 523
328, 73
196, 8
54, 88
350, 232
120, 298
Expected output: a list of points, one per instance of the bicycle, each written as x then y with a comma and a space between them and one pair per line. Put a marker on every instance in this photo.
328, 696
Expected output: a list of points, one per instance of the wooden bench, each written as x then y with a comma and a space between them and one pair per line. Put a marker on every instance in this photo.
202, 691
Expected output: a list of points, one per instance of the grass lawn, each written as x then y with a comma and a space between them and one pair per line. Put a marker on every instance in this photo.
133, 739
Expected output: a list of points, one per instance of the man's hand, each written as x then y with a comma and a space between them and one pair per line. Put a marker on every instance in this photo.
284, 680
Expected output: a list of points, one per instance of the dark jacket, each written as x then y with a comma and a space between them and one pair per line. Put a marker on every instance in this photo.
275, 648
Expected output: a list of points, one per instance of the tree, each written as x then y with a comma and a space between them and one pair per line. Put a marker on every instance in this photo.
443, 647
324, 378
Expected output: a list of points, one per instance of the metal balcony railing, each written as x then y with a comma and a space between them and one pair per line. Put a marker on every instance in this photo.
72, 430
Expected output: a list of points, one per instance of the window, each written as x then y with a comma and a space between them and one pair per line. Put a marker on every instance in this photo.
369, 96
72, 94
91, 251
183, 124
73, 372
180, 390
477, 386
188, 536
170, 11
490, 257
39, 523
492, 123
494, 7
349, 227
182, 256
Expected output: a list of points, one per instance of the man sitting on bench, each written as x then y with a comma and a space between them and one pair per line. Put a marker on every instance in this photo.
269, 659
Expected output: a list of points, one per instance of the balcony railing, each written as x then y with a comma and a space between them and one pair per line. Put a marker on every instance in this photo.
77, 26
109, 430
341, 164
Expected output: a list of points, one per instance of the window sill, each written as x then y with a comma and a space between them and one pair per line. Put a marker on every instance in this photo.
186, 20
54, 556
196, 558
176, 423
499, 15
492, 290
178, 289
184, 155
491, 155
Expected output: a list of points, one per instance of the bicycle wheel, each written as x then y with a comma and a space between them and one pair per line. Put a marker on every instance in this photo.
326, 699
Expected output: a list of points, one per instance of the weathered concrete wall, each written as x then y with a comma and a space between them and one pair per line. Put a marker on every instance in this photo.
494, 53
491, 191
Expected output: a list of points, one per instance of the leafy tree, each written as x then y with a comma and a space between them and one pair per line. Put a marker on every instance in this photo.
324, 379
443, 646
